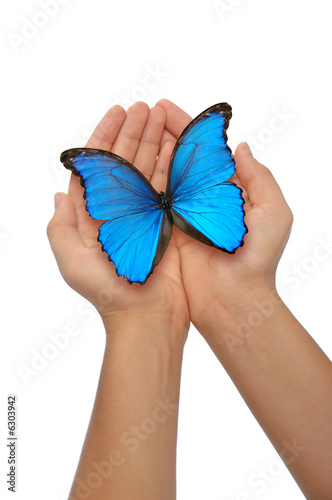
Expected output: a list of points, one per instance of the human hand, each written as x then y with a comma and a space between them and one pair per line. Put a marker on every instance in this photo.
216, 282
139, 136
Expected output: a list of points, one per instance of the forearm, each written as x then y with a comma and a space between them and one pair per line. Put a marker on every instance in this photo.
286, 380
130, 447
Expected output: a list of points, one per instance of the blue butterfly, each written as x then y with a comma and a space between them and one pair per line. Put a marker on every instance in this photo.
198, 199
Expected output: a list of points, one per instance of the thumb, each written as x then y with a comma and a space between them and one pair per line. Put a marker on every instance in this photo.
62, 229
256, 178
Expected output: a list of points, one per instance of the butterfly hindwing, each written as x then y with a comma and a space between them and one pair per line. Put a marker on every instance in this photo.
136, 232
213, 215
204, 205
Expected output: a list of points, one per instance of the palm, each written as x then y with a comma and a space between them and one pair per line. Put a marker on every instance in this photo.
203, 265
106, 290
139, 137
210, 275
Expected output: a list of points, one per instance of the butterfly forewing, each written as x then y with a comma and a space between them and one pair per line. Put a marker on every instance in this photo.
204, 205
201, 156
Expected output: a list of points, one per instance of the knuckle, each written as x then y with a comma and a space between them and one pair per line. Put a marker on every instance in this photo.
290, 216
70, 273
50, 228
287, 216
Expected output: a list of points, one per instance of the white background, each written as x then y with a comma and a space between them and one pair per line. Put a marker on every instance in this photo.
264, 58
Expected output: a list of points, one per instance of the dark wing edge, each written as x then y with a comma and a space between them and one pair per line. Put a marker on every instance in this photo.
69, 155
164, 237
226, 110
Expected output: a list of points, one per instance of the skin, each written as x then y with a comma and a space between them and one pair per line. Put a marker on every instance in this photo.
283, 375
146, 328
280, 371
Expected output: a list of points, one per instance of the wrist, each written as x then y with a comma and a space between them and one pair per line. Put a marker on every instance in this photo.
167, 331
238, 316
154, 354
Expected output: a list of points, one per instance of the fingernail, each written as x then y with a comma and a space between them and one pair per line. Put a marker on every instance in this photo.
57, 200
247, 149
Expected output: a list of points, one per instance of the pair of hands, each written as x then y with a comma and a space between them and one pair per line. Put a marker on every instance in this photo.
193, 281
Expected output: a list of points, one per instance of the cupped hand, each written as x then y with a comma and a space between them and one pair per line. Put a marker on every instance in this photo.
214, 280
139, 136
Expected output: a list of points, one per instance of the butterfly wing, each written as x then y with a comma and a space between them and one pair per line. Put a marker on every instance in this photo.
136, 232
204, 205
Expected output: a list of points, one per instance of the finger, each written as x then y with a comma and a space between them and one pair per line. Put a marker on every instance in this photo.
149, 146
103, 137
75, 192
159, 176
257, 179
237, 181
128, 139
62, 232
177, 119
167, 136
85, 224
107, 129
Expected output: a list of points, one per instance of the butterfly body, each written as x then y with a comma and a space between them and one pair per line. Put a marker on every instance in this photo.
199, 199
166, 205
